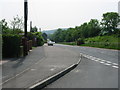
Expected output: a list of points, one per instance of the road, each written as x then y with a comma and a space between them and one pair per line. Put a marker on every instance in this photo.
98, 69
33, 68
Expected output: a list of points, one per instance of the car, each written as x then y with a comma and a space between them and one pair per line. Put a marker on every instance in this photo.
50, 43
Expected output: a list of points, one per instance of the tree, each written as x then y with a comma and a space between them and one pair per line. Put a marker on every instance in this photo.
93, 28
44, 35
3, 24
17, 23
34, 29
5, 28
109, 22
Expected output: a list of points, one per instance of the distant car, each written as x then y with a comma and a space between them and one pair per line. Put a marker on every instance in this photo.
50, 43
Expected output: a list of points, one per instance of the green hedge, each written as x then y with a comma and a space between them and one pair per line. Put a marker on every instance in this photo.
11, 45
40, 41
38, 36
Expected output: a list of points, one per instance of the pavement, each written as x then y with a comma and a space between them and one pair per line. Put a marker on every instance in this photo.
42, 63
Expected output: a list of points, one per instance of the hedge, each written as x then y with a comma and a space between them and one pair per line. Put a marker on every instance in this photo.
40, 41
11, 45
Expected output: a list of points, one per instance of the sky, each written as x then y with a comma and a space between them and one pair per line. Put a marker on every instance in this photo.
53, 14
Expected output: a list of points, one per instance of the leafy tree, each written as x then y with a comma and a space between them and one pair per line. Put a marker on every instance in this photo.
40, 40
109, 22
4, 24
34, 29
17, 23
44, 35
93, 28
84, 30
5, 28
57, 35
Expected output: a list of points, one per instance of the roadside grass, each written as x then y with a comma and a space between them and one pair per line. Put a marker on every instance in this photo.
68, 43
33, 47
109, 42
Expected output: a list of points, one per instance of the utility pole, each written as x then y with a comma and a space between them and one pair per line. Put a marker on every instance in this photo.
24, 40
40, 29
25, 16
30, 26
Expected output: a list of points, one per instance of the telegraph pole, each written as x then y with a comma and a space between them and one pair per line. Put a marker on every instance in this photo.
25, 16
24, 40
30, 26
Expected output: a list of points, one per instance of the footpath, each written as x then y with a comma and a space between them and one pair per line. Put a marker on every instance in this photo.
55, 63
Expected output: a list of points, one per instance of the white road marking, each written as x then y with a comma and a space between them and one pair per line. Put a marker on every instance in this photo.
96, 60
32, 69
108, 62
105, 62
115, 63
102, 62
52, 69
115, 66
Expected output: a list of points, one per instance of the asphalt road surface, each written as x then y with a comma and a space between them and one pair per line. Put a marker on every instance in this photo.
26, 72
14, 67
98, 69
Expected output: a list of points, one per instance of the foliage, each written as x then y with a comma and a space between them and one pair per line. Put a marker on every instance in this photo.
109, 22
90, 29
17, 23
4, 25
44, 35
34, 29
103, 42
40, 40
11, 45
80, 41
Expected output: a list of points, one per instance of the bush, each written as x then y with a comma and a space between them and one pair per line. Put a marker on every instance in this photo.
11, 45
80, 41
40, 41
36, 38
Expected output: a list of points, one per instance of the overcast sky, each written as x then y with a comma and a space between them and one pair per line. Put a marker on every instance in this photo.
53, 14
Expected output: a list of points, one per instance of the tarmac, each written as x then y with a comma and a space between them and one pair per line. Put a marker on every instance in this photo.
55, 63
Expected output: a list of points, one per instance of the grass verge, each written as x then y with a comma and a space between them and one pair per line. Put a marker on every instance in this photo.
109, 42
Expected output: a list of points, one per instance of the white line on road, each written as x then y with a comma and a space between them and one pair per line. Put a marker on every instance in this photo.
115, 66
105, 62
